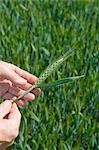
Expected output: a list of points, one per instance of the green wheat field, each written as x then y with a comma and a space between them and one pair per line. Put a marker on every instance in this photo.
33, 34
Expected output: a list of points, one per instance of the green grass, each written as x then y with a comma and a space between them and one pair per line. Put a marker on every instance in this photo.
33, 33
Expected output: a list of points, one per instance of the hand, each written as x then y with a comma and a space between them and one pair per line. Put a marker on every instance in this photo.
9, 123
14, 81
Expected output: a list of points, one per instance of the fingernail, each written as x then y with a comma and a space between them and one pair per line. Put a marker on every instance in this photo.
14, 104
11, 101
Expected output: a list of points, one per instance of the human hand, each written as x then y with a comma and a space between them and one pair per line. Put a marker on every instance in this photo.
14, 81
9, 123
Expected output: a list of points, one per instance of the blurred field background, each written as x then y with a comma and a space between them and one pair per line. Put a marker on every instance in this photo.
34, 33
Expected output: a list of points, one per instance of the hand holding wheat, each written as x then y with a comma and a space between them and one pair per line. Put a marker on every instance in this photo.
15, 81
48, 71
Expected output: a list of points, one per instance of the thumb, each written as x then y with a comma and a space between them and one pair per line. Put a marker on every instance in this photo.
5, 108
15, 115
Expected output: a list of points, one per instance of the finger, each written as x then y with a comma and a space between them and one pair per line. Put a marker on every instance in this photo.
5, 144
5, 81
26, 86
12, 97
13, 76
36, 91
5, 108
9, 96
15, 115
17, 91
20, 102
10, 143
29, 77
3, 88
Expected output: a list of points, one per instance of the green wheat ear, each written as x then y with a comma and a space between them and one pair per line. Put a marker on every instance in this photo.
48, 71
51, 68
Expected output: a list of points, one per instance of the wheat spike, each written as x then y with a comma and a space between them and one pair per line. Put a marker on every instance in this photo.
48, 71
51, 68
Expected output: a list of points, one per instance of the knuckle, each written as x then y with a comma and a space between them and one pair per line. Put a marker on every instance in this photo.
9, 139
13, 135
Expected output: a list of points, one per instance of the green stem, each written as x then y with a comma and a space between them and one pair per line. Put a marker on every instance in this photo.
56, 83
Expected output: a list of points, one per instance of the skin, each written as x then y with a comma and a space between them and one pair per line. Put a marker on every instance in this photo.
13, 82
9, 123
